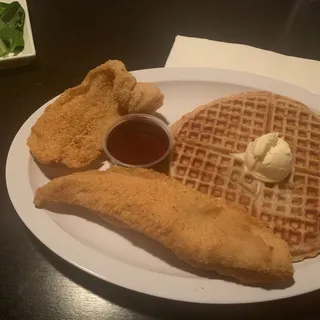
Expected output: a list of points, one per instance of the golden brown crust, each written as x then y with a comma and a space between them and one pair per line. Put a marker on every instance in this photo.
201, 230
71, 128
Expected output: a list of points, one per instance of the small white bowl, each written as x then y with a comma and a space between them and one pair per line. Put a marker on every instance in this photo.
29, 51
147, 119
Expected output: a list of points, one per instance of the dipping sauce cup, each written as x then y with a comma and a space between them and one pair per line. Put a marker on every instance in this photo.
139, 141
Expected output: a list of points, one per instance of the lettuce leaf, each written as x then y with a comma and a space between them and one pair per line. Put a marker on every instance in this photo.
12, 17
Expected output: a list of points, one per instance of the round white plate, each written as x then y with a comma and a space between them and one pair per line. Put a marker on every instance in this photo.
131, 260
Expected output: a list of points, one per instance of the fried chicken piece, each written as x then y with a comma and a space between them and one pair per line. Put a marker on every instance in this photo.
144, 97
201, 230
71, 128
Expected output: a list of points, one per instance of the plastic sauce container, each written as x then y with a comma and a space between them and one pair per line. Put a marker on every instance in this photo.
139, 141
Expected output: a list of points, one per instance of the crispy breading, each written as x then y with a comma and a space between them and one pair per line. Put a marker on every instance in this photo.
199, 229
71, 128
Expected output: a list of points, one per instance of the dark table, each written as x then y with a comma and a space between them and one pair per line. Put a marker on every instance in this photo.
72, 37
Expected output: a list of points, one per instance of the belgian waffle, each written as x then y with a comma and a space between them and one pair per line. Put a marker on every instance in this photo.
206, 137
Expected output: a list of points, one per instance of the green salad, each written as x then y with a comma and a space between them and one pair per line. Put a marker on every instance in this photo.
12, 17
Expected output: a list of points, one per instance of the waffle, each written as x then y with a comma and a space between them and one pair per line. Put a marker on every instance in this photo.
205, 138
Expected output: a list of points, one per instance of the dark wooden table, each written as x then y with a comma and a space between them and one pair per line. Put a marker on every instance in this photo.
72, 37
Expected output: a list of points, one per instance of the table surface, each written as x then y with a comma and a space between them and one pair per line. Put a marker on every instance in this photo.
72, 37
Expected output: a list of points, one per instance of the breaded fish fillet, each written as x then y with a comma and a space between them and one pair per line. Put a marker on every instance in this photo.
199, 229
71, 128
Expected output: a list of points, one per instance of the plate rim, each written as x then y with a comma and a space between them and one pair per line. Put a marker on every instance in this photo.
197, 290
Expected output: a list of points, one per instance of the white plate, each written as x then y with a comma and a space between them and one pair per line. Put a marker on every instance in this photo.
145, 266
29, 51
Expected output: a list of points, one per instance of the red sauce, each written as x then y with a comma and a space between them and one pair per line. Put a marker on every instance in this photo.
137, 142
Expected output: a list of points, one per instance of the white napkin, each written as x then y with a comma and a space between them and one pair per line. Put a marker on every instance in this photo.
195, 52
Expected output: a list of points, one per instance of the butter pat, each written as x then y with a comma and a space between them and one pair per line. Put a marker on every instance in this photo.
268, 158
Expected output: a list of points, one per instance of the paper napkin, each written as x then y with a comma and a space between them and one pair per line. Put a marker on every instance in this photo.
195, 52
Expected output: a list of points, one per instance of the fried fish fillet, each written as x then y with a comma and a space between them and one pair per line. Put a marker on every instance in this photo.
71, 128
201, 230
